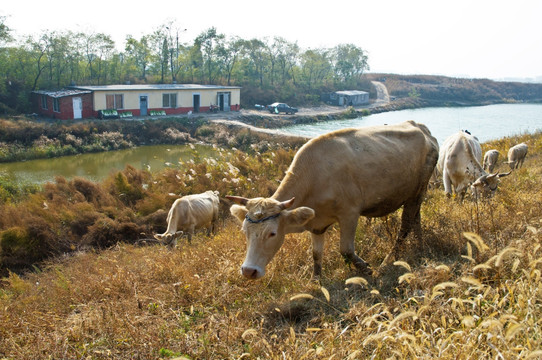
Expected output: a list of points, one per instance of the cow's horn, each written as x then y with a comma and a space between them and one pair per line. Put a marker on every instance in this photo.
237, 199
286, 204
505, 174
490, 176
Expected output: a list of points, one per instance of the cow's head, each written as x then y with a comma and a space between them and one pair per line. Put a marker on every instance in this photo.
487, 184
169, 239
265, 222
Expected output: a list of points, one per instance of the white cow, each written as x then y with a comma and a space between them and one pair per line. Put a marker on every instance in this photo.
337, 177
459, 164
189, 213
516, 155
490, 159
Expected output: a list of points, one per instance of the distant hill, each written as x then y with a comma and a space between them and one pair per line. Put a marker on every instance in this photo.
434, 90
535, 80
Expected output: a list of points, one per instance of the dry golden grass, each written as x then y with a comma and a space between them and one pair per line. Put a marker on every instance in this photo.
470, 290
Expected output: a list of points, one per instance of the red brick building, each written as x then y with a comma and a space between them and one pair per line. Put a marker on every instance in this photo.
64, 104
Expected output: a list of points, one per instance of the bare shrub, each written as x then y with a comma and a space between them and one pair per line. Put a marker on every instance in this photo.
107, 232
44, 141
112, 140
73, 140
176, 136
92, 192
156, 222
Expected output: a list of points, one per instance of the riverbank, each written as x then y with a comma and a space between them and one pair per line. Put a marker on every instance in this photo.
23, 139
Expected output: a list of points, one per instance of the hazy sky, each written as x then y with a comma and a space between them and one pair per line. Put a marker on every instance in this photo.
466, 38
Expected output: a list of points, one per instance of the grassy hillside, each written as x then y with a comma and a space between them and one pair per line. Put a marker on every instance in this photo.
470, 289
431, 90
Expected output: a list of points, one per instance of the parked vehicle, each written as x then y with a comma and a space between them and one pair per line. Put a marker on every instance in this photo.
276, 108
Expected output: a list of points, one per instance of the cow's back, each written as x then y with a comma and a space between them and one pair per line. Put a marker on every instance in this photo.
490, 159
517, 152
196, 210
459, 149
516, 155
375, 169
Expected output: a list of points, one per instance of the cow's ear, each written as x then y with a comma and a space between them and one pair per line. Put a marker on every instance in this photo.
299, 216
476, 183
237, 199
239, 212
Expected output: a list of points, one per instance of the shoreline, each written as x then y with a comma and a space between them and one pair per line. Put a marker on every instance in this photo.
245, 130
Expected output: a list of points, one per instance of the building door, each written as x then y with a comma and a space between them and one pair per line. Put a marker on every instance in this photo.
143, 105
226, 101
196, 101
77, 108
220, 101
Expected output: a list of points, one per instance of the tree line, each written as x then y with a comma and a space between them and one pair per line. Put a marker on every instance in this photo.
268, 69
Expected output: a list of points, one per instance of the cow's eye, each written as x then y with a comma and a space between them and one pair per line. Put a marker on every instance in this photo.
272, 234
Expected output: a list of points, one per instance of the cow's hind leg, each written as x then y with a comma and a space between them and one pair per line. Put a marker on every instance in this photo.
411, 220
190, 233
214, 223
348, 234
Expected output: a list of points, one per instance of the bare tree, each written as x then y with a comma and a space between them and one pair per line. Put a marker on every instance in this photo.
209, 41
37, 51
227, 55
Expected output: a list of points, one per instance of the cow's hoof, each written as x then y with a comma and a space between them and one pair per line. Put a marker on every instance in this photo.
366, 271
363, 268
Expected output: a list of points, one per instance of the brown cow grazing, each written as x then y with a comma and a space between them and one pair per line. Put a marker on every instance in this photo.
189, 213
337, 177
490, 159
516, 155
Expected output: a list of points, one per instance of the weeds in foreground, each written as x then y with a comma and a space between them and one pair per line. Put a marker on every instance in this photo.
471, 289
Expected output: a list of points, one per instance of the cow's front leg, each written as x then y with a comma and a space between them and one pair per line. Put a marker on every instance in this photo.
191, 230
317, 253
447, 181
348, 234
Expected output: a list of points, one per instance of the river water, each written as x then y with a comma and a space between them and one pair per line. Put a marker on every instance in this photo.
98, 166
485, 122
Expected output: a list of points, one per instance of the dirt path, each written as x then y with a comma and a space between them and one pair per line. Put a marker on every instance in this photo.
382, 96
232, 118
238, 123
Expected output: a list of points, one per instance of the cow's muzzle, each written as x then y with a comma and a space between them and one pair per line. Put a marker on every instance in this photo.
252, 272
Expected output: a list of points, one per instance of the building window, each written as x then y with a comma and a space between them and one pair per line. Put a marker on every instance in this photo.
169, 100
114, 101
56, 105
44, 102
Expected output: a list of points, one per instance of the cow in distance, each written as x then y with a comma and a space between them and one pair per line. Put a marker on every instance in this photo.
516, 155
459, 164
490, 160
189, 213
